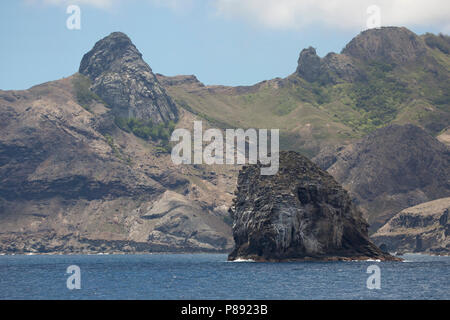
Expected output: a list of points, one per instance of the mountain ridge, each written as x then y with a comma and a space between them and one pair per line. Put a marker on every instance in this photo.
76, 177
342, 98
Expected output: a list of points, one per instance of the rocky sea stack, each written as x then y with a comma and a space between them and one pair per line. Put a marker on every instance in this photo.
301, 213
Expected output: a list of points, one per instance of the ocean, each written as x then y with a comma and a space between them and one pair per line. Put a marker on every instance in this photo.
211, 276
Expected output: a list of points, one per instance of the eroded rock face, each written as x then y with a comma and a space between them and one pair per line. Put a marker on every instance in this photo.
309, 64
422, 228
387, 45
301, 213
333, 68
125, 82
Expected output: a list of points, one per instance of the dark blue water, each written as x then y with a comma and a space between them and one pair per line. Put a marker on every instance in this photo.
212, 277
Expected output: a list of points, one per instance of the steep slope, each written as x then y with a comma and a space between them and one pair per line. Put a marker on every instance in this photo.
82, 171
444, 137
391, 169
301, 213
422, 228
386, 45
383, 76
73, 181
125, 82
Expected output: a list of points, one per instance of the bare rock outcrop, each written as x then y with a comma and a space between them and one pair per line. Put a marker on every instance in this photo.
392, 168
423, 228
333, 68
125, 81
301, 213
387, 45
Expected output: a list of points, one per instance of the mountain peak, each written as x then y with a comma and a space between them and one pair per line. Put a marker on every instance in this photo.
388, 44
125, 82
105, 52
333, 68
309, 64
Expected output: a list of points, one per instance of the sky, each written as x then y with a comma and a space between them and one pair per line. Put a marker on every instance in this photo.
222, 42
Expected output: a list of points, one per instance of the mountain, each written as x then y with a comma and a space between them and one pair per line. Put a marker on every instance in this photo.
383, 76
423, 228
125, 82
84, 162
72, 180
391, 169
300, 213
391, 45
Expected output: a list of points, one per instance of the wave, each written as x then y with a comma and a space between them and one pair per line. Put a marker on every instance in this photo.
243, 260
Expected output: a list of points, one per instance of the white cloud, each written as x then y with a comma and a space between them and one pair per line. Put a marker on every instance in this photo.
345, 14
177, 5
106, 4
102, 4
296, 14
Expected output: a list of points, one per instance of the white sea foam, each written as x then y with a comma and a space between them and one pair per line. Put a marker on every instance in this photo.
243, 260
368, 260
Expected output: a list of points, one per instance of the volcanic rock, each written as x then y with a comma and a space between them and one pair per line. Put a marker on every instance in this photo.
423, 228
309, 64
125, 82
333, 68
301, 213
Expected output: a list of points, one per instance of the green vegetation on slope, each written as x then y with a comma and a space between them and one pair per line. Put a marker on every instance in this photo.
311, 115
147, 130
378, 98
441, 42
115, 149
85, 97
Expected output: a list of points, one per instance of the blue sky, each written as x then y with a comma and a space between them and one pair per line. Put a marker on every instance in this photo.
224, 42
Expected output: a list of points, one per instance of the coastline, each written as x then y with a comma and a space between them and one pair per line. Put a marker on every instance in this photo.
395, 256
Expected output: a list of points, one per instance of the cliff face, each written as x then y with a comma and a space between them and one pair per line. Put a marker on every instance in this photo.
72, 181
125, 82
301, 213
333, 68
423, 228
